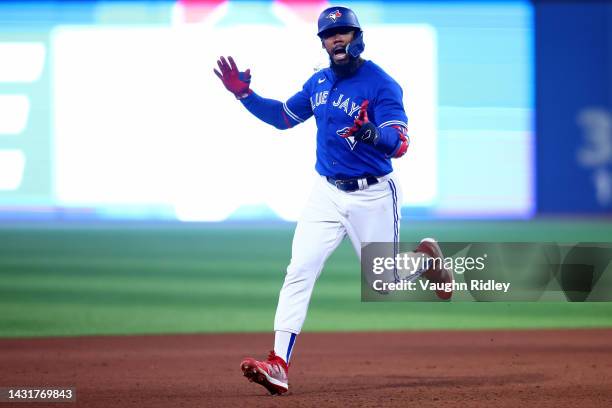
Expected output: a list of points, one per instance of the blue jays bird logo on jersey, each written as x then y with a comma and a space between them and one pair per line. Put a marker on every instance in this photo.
350, 140
334, 15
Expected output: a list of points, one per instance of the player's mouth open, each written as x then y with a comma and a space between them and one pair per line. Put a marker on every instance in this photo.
340, 53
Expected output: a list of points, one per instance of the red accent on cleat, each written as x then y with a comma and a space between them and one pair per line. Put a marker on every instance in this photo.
430, 247
272, 373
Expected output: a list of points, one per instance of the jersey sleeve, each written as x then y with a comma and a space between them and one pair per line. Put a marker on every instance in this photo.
391, 120
278, 114
298, 107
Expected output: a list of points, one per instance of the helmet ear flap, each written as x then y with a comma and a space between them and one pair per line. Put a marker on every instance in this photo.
356, 47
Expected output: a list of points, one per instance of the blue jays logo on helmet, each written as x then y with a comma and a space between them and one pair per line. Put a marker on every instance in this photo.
334, 15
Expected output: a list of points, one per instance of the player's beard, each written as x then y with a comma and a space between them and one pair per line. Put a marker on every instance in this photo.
344, 70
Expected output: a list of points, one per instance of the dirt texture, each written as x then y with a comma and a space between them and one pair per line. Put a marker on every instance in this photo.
540, 368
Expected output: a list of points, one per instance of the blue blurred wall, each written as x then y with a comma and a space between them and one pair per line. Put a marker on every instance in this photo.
573, 105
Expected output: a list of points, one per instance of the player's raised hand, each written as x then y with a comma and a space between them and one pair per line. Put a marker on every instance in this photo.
363, 111
363, 130
234, 81
361, 117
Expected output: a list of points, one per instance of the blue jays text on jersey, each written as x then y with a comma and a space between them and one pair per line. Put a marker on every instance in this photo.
335, 102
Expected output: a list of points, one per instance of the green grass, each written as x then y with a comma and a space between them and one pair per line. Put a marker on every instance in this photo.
126, 279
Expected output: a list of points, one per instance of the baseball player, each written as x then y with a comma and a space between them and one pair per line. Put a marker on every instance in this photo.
361, 126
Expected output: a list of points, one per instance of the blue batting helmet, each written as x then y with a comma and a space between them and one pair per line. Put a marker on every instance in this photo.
336, 17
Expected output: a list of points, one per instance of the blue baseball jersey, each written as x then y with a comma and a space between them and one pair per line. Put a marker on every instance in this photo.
335, 102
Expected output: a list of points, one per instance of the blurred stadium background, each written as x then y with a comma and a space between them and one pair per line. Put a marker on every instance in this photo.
137, 196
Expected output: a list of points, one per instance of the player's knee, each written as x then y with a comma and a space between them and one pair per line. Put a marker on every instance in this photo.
302, 270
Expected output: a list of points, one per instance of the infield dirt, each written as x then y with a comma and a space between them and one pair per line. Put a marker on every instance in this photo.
546, 368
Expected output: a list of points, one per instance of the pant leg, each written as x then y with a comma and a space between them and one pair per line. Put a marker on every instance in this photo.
318, 233
373, 215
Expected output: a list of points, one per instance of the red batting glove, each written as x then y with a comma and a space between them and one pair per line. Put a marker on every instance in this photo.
362, 118
234, 81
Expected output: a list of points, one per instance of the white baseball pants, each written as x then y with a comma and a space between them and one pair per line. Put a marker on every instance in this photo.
369, 215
